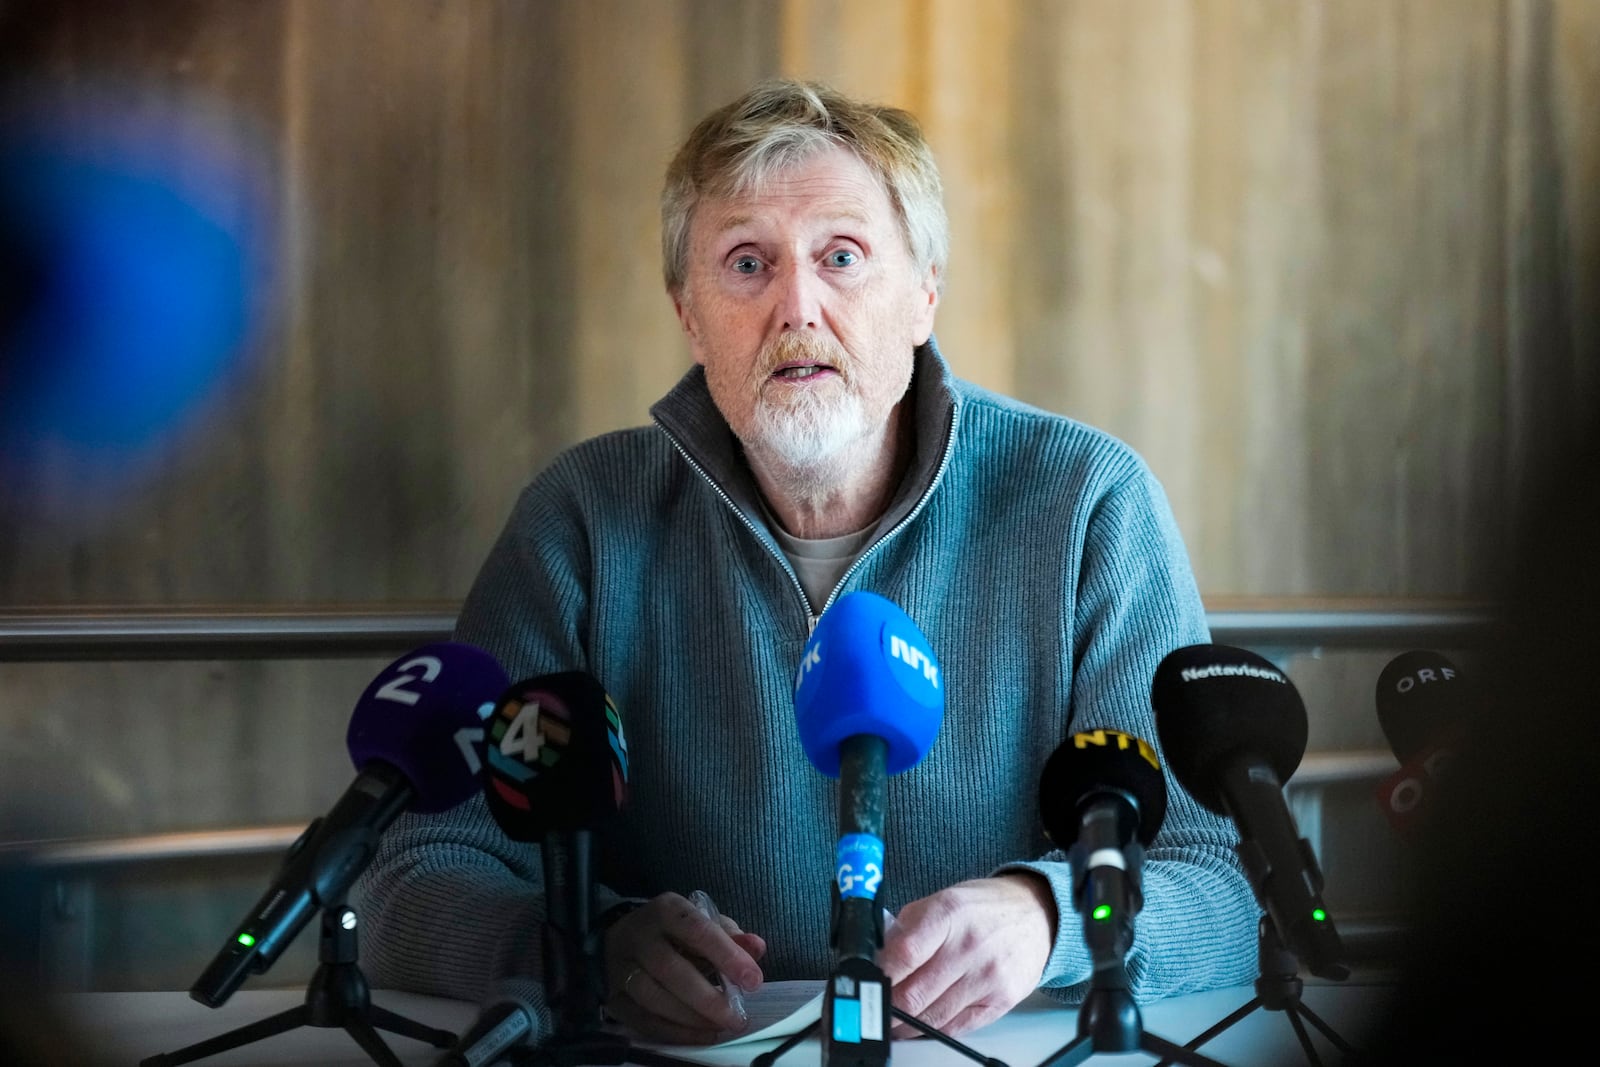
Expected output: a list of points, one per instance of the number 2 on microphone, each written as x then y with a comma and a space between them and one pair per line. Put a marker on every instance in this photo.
395, 689
858, 865
864, 884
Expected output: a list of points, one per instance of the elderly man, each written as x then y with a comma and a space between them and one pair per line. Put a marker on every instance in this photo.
821, 445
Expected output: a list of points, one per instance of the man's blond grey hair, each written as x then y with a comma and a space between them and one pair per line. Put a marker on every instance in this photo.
739, 147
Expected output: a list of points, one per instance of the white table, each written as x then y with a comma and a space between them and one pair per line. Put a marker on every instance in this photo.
127, 1027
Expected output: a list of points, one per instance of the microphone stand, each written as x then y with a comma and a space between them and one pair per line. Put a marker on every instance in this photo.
1109, 1021
1278, 988
338, 995
857, 1002
574, 963
1109, 1018
850, 975
766, 1059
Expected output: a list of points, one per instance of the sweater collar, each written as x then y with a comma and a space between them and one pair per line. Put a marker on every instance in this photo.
689, 417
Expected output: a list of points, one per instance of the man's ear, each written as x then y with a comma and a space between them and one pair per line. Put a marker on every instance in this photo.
925, 301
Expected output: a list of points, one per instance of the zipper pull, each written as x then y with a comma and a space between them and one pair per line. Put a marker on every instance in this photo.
811, 627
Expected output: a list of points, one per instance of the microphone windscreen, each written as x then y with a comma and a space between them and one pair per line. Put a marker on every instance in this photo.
1213, 702
1094, 762
555, 757
867, 669
424, 715
1420, 698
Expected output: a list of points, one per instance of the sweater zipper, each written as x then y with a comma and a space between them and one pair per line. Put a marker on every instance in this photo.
938, 475
794, 579
783, 562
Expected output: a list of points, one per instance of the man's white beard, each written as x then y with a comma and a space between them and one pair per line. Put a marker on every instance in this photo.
808, 440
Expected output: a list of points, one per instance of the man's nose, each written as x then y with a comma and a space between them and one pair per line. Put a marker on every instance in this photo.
799, 297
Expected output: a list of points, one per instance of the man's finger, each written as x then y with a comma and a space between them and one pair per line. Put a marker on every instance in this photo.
681, 981
753, 944
656, 999
921, 994
915, 937
698, 936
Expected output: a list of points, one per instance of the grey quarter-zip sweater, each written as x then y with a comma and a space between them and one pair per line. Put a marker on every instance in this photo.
1038, 555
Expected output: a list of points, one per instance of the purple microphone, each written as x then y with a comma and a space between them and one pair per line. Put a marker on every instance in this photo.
414, 738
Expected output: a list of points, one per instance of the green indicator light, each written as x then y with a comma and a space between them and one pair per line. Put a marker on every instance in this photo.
1319, 915
1102, 912
247, 940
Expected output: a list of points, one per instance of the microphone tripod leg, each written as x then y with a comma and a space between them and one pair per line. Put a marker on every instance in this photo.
1082, 1047
368, 1039
1109, 1021
1072, 1053
950, 1042
1327, 1031
1175, 1053
766, 1059
591, 1048
1305, 1038
1294, 1009
1238, 1013
384, 1019
244, 1035
337, 996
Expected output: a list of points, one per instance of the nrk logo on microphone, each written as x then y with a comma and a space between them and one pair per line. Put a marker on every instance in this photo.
906, 654
867, 669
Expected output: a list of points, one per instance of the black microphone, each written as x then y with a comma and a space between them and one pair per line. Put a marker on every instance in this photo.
1422, 706
1234, 730
868, 703
1102, 799
506, 1023
414, 738
555, 772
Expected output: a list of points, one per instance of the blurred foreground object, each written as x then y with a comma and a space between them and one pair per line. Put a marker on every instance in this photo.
134, 267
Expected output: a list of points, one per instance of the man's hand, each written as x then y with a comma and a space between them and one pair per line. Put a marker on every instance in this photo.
657, 957
966, 955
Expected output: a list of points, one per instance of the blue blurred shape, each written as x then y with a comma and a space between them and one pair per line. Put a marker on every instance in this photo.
129, 260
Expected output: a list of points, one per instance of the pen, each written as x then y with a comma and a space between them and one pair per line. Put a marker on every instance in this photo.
702, 901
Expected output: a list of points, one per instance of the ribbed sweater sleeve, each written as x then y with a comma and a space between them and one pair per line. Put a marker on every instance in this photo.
1136, 600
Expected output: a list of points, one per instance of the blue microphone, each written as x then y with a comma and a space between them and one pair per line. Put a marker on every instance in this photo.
868, 701
414, 738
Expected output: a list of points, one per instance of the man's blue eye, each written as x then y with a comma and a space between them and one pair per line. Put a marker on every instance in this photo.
747, 264
842, 258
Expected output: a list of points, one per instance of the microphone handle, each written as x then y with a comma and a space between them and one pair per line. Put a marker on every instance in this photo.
573, 963
863, 795
1281, 865
318, 870
498, 1029
1105, 875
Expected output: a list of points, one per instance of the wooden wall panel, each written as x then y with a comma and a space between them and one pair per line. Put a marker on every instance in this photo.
966, 94
1330, 266
1402, 439
1254, 193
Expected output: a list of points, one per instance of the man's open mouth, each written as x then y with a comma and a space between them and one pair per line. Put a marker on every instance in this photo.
798, 371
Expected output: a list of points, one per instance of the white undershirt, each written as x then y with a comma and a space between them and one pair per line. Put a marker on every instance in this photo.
819, 564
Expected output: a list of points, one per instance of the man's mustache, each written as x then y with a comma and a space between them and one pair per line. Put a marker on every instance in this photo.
790, 348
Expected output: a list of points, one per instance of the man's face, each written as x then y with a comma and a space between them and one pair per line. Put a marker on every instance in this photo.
803, 303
